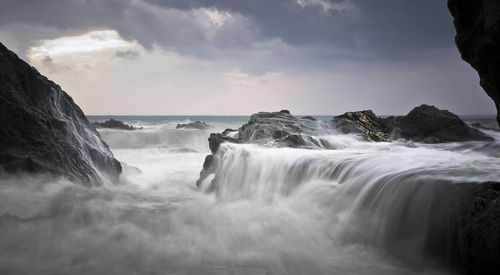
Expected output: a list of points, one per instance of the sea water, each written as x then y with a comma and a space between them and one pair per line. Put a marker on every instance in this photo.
361, 208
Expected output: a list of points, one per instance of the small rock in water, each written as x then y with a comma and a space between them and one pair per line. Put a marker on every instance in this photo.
115, 124
200, 125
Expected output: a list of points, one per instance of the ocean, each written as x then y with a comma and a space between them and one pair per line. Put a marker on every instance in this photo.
362, 208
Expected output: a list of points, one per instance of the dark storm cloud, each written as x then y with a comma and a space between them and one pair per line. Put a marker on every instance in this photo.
383, 28
388, 27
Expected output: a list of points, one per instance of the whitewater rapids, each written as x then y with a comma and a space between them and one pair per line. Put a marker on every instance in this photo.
363, 208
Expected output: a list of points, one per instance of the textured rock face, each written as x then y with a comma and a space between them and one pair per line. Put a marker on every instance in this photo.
478, 39
365, 123
43, 130
115, 124
423, 124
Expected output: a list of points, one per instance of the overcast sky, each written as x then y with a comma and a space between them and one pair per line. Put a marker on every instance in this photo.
223, 57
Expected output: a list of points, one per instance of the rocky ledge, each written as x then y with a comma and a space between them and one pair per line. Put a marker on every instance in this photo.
44, 131
199, 125
115, 124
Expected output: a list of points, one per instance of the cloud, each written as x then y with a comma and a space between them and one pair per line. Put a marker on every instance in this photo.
129, 54
311, 56
385, 28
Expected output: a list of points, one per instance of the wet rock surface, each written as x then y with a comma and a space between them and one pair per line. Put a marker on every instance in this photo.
478, 39
365, 123
44, 131
199, 125
115, 124
277, 128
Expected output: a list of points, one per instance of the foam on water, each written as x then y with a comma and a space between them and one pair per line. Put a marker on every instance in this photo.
363, 208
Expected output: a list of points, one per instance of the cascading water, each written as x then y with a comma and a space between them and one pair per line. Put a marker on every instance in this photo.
361, 208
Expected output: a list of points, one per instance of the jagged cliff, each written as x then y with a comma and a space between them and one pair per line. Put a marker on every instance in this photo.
478, 39
43, 130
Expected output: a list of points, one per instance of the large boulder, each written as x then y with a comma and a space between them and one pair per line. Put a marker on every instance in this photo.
273, 128
478, 39
44, 131
277, 128
422, 124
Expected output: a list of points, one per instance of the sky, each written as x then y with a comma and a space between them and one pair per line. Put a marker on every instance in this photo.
238, 57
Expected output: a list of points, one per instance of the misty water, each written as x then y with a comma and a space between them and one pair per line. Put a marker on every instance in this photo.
361, 208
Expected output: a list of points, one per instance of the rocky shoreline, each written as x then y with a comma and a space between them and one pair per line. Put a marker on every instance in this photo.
426, 124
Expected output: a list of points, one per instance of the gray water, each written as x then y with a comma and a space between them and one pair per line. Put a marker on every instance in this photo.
363, 208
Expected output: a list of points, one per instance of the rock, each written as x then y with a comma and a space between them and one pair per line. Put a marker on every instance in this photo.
478, 232
200, 125
115, 124
478, 39
425, 124
309, 118
431, 125
44, 131
277, 128
365, 123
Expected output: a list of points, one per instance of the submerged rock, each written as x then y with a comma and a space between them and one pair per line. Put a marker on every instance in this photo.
43, 130
423, 124
478, 39
115, 124
200, 125
478, 125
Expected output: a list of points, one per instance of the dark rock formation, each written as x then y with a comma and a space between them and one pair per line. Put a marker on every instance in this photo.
423, 124
478, 39
43, 130
115, 124
200, 125
277, 128
478, 231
